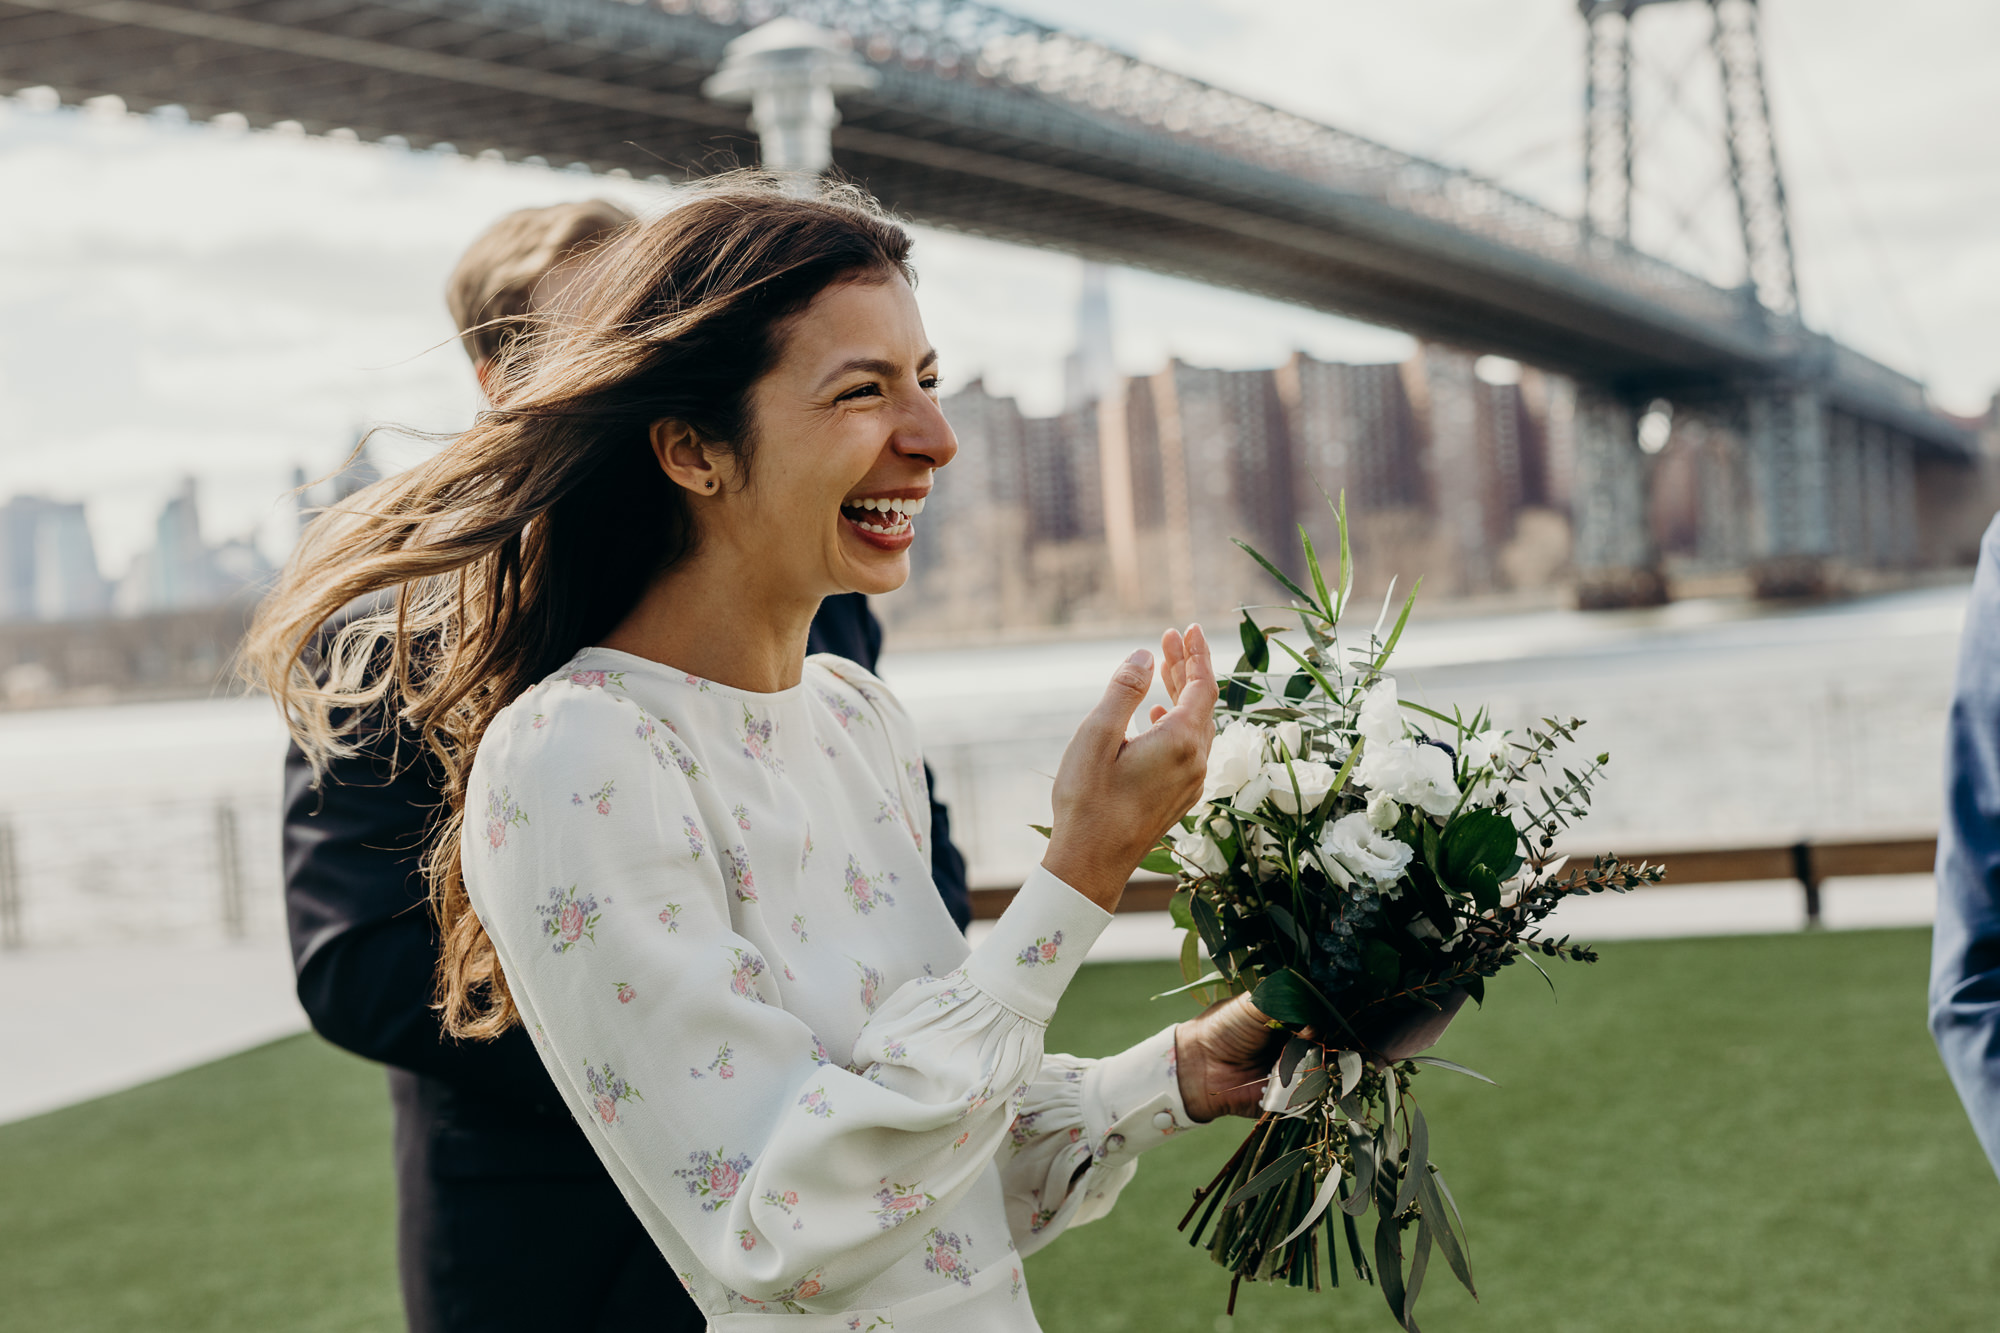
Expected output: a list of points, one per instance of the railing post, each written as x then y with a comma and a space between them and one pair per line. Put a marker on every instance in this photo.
11, 934
229, 870
1808, 876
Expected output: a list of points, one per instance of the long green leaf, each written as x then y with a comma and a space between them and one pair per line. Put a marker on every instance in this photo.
1190, 954
1319, 677
1454, 1068
1395, 634
1420, 1261
1448, 1241
1355, 1204
1389, 1265
1328, 1187
1345, 575
1420, 1151
1415, 707
1275, 572
1312, 566
1208, 980
1277, 1173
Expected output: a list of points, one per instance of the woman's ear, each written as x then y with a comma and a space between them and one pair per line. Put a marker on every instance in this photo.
678, 448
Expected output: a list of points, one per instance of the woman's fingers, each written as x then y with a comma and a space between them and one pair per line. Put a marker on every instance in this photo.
1122, 697
1157, 713
1173, 663
1199, 691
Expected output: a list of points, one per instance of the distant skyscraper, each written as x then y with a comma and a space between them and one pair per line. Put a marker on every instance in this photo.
1090, 373
67, 583
180, 572
20, 519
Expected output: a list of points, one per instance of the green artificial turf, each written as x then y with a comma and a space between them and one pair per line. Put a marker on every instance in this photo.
1694, 1136
1700, 1135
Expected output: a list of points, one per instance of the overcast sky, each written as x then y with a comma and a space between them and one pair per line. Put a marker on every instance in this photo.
179, 299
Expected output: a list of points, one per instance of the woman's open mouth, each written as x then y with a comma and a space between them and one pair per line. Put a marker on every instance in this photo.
883, 522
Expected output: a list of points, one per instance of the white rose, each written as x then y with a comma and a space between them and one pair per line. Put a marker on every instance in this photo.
1361, 849
1200, 851
1410, 772
1299, 786
1383, 812
1253, 792
1288, 740
1266, 852
1380, 720
1233, 760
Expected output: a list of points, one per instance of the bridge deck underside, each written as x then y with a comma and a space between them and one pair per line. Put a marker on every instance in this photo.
613, 85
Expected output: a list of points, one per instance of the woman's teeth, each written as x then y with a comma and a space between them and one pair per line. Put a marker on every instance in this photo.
895, 514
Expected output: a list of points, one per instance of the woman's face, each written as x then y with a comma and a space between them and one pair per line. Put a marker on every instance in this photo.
848, 433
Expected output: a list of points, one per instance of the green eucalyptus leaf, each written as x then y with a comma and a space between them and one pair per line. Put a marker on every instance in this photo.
1207, 980
1299, 686
1312, 568
1190, 954
1440, 1219
1256, 648
1179, 910
1288, 1059
1476, 988
1276, 573
1277, 1173
1160, 861
1210, 926
1389, 1265
1433, 1061
1420, 1149
1311, 1088
1289, 998
1419, 1262
1363, 1147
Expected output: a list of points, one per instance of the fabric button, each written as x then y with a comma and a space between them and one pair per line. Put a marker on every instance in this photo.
1163, 1120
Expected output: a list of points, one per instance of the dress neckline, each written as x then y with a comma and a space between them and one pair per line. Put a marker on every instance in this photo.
634, 662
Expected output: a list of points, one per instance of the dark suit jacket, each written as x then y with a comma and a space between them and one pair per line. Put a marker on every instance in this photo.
488, 1158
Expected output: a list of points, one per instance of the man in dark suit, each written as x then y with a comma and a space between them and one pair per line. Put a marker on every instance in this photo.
505, 1218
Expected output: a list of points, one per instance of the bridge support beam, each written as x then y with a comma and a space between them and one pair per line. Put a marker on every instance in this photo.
1791, 536
1617, 561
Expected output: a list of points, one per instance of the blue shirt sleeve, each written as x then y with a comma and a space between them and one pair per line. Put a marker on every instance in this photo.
1965, 943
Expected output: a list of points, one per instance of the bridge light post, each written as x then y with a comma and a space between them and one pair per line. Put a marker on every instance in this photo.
790, 72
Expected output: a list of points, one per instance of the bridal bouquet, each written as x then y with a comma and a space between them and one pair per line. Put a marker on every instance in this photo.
1360, 865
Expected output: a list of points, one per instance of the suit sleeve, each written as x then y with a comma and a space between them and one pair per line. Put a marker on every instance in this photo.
1965, 943
363, 943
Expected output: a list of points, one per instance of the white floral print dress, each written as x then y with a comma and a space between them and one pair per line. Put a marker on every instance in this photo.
714, 909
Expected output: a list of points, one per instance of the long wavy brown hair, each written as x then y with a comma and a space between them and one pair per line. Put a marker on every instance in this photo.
432, 599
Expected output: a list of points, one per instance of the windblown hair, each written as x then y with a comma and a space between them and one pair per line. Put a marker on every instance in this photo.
432, 599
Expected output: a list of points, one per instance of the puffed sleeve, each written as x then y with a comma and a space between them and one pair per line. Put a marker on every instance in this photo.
743, 1144
1075, 1142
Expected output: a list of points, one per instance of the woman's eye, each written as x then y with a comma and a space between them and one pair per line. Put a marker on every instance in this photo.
932, 383
860, 391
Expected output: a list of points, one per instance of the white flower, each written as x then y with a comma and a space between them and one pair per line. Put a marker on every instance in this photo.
1233, 760
1410, 772
1266, 852
1200, 851
1311, 779
1480, 747
1362, 850
1383, 812
1288, 740
1380, 720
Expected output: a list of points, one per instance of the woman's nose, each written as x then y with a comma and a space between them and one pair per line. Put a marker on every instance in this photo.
924, 433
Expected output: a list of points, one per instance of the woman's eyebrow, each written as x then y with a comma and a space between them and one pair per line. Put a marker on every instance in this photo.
875, 366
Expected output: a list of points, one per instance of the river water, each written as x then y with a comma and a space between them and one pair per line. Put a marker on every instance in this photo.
1727, 724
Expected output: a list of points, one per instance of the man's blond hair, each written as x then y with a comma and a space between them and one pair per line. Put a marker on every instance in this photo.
492, 291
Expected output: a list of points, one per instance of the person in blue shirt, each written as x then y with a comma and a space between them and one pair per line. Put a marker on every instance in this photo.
1965, 943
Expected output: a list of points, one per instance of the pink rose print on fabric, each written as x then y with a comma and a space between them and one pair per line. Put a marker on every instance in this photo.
1040, 952
820, 1055
799, 926
539, 722
597, 680
944, 1254
736, 864
746, 1240
1022, 1131
803, 1290
960, 1141
894, 1051
501, 814
743, 974
714, 1177
872, 982
1014, 1291
722, 1066
842, 708
570, 918
599, 799
757, 736
897, 1204
693, 831
607, 1089
784, 1202
667, 751
625, 992
742, 817
807, 854
670, 917
700, 685
863, 893
816, 1103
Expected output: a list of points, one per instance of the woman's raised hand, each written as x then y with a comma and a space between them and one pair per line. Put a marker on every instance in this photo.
1115, 797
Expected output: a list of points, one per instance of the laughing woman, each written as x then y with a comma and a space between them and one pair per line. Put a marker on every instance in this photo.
691, 859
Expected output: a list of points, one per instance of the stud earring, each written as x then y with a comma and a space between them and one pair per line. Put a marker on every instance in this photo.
709, 484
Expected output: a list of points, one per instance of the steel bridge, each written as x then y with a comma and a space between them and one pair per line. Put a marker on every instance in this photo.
989, 123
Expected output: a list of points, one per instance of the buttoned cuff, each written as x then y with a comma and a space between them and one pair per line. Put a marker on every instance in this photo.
1036, 946
1132, 1100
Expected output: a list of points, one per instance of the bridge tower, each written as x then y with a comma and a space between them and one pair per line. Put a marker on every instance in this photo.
1779, 421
